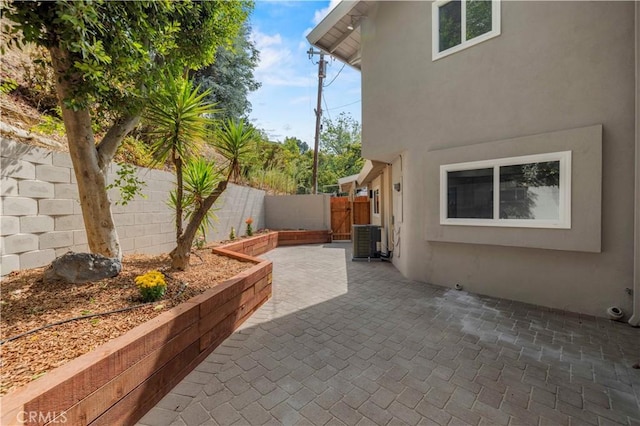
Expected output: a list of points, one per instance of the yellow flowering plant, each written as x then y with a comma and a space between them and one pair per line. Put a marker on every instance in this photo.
152, 285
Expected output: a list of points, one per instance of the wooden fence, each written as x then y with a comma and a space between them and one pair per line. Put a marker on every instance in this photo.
345, 212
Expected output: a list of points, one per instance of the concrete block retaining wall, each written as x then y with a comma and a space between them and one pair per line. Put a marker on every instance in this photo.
40, 216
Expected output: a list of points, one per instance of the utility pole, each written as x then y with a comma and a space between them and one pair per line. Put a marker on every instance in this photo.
318, 111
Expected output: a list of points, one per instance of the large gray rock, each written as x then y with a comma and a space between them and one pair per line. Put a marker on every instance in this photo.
81, 268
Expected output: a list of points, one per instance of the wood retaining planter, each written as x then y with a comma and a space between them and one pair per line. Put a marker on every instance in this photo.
120, 381
289, 238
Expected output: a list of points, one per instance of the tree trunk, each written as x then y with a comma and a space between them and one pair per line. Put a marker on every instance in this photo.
177, 161
94, 200
180, 254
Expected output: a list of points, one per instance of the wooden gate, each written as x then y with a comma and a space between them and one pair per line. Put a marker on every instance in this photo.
345, 213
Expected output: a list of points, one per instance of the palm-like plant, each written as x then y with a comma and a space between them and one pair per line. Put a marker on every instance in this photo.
179, 118
200, 180
233, 142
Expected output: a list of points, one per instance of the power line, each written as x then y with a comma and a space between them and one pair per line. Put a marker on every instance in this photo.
334, 78
345, 105
326, 107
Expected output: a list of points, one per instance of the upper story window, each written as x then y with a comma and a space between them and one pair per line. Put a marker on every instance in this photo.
532, 191
458, 24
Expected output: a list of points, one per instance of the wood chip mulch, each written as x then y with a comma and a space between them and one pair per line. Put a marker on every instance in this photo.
27, 303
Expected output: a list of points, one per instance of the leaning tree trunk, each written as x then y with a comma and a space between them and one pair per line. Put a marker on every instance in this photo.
177, 161
91, 177
180, 254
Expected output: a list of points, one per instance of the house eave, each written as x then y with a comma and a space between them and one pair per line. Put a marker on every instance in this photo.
370, 170
333, 36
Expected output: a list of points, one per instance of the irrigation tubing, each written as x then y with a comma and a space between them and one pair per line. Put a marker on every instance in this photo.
26, 333
82, 317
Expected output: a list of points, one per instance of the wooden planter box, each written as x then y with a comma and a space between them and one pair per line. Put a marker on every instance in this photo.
120, 381
288, 238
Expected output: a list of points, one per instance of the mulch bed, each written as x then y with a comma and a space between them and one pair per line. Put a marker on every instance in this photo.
27, 303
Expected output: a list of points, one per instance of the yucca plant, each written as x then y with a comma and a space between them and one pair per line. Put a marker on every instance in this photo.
179, 118
200, 179
233, 141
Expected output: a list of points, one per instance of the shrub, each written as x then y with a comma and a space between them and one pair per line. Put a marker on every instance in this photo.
136, 151
49, 125
152, 286
127, 183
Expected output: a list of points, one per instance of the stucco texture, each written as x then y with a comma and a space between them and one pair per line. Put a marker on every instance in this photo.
556, 66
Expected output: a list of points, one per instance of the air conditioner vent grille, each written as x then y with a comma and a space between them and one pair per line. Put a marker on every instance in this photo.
365, 238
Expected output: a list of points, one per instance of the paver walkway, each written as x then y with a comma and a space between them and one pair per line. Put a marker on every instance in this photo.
345, 342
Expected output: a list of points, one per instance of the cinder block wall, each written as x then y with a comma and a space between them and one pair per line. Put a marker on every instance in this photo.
235, 206
40, 216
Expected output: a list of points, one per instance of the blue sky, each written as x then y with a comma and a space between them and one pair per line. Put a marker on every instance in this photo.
284, 105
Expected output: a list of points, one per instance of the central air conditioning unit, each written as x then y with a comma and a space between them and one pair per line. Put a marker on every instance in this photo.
365, 242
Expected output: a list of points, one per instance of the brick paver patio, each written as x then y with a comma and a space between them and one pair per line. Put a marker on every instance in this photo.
351, 343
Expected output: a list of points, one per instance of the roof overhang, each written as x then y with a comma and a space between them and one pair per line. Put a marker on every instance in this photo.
338, 34
347, 183
370, 171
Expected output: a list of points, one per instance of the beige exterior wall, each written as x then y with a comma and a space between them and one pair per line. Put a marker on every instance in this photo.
556, 66
309, 212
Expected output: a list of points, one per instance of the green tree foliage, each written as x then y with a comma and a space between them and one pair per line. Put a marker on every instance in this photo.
286, 167
339, 135
117, 49
275, 166
295, 145
106, 56
230, 78
342, 149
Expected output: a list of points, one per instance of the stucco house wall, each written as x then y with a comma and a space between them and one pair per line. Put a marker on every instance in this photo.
557, 66
306, 211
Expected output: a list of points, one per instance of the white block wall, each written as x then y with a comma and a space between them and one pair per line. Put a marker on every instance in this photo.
235, 206
40, 216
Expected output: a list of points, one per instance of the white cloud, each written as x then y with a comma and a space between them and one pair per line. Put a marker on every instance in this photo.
263, 40
278, 65
319, 15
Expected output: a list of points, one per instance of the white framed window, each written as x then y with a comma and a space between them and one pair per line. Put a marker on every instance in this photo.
458, 24
376, 201
532, 191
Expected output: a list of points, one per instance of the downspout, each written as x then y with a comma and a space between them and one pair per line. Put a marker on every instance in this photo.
635, 318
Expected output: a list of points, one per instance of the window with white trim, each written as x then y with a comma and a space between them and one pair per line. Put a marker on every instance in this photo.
458, 24
376, 201
532, 191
